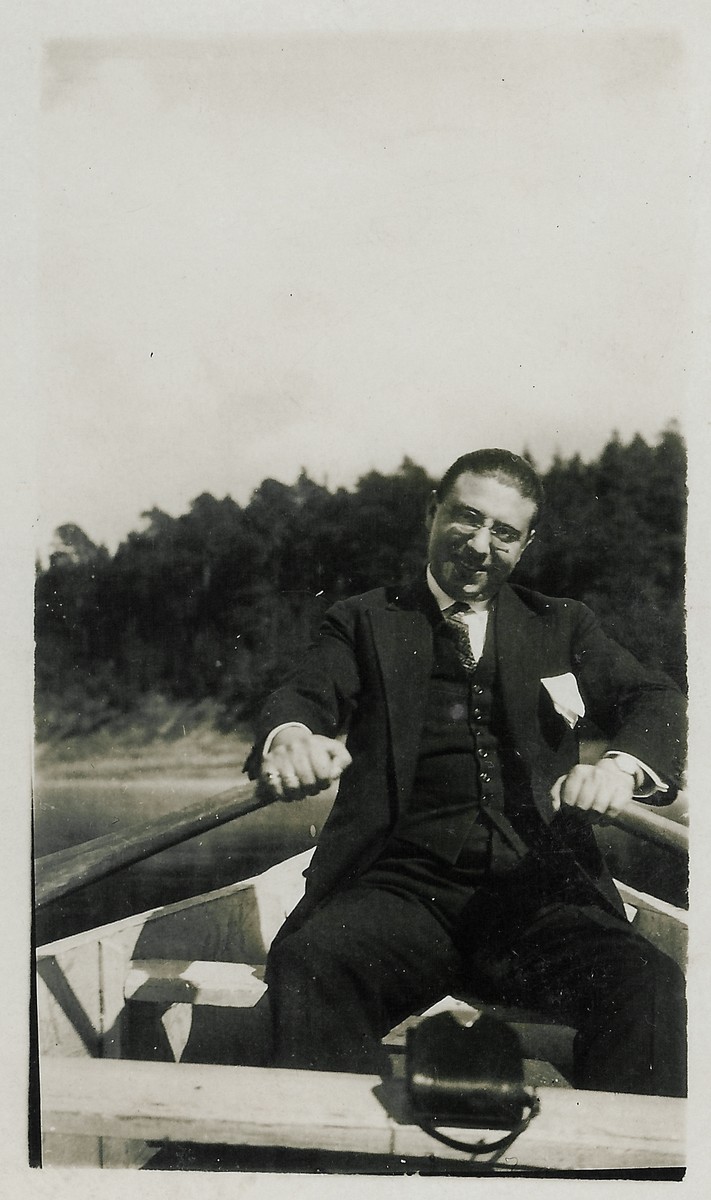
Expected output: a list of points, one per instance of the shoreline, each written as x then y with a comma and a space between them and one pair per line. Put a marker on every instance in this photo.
161, 737
155, 761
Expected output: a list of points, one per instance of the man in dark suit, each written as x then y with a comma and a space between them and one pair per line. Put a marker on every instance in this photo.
459, 854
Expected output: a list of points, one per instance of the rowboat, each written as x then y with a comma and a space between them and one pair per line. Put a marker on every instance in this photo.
150, 1032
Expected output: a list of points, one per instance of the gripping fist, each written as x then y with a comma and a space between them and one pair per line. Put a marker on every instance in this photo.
301, 763
603, 788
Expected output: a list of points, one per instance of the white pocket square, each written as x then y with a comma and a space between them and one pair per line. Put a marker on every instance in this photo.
563, 691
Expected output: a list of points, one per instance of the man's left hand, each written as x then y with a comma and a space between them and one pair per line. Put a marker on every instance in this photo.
603, 788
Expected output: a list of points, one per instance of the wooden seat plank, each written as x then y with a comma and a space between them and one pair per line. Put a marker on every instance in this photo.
225, 984
164, 1102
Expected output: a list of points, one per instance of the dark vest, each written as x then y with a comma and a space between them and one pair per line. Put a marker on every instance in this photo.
456, 811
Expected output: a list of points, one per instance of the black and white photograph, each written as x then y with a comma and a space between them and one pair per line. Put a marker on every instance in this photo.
365, 432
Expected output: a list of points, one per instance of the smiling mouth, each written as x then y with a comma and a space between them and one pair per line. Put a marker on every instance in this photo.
470, 568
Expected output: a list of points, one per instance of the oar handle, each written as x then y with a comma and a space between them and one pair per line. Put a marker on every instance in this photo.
647, 823
66, 871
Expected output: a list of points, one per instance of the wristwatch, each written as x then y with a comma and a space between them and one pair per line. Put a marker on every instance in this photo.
628, 764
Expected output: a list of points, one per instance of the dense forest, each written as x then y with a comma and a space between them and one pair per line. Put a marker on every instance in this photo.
220, 601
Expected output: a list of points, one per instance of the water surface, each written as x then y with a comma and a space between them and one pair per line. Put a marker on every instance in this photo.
70, 811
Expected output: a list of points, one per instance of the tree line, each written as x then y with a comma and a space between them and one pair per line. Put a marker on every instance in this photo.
220, 601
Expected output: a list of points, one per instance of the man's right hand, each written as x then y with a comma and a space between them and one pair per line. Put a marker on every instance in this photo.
301, 763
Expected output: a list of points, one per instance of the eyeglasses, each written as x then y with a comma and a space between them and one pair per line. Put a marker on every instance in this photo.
470, 522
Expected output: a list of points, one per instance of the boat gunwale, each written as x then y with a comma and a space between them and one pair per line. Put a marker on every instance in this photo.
166, 910
630, 895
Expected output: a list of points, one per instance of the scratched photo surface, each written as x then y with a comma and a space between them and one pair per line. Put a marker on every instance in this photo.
288, 273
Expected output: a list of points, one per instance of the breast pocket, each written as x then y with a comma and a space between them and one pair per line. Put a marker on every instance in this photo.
560, 708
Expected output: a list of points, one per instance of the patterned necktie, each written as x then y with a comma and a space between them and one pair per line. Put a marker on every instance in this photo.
460, 633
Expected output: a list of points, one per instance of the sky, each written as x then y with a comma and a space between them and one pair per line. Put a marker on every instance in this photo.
262, 253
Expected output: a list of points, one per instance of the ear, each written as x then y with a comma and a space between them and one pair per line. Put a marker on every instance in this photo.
432, 506
530, 538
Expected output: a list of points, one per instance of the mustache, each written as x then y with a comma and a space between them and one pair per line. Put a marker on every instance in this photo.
480, 564
474, 562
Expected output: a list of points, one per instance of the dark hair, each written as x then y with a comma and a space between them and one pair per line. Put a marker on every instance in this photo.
499, 463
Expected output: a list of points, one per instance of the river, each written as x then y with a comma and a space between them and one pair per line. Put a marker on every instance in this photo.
70, 811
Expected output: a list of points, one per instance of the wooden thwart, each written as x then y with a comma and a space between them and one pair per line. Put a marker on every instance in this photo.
222, 984
311, 1110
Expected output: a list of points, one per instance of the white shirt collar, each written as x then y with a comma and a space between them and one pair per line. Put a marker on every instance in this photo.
444, 601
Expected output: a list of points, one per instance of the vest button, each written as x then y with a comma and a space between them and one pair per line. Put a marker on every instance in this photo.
483, 754
484, 777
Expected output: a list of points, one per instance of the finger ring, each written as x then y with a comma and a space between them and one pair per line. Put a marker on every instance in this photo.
272, 775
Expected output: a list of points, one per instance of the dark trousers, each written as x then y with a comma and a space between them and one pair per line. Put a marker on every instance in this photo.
394, 943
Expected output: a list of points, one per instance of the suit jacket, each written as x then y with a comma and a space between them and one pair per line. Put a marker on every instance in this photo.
368, 673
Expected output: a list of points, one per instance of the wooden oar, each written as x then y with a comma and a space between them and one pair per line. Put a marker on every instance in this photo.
651, 826
68, 870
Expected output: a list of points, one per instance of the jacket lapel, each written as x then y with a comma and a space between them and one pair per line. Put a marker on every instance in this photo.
402, 635
519, 647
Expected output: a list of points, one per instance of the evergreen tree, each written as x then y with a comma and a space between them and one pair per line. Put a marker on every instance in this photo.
221, 600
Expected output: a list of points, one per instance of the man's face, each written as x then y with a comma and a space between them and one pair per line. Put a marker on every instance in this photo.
478, 532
